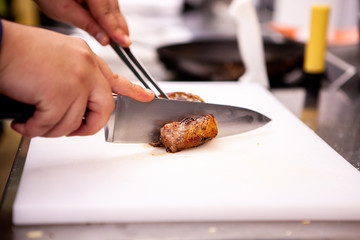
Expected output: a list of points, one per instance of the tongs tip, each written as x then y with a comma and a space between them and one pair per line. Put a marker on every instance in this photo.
132, 62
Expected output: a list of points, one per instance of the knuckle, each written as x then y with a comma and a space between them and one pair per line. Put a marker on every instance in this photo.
91, 27
86, 55
85, 65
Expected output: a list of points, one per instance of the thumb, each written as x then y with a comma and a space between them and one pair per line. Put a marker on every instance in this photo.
80, 17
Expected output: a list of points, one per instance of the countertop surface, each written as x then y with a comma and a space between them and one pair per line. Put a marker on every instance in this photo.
281, 171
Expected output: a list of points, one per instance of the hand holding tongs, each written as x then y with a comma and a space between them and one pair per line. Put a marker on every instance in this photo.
131, 61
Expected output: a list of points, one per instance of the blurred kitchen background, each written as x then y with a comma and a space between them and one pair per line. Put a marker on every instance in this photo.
195, 40
207, 35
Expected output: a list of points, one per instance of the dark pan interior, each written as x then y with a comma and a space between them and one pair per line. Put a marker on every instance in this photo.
219, 60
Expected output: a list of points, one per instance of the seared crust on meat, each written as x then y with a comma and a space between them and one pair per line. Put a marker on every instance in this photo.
190, 132
182, 96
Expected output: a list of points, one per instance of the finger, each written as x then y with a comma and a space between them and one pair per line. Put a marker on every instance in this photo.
104, 69
71, 120
20, 128
109, 17
100, 107
80, 17
100, 103
40, 123
123, 86
118, 15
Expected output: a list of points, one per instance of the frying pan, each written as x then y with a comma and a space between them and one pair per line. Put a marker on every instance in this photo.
220, 60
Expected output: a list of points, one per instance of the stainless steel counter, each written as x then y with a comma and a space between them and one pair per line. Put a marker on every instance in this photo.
190, 231
339, 110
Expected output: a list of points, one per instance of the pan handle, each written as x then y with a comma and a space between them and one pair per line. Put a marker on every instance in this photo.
17, 111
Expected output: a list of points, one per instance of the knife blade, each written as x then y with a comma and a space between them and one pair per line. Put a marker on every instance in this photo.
140, 122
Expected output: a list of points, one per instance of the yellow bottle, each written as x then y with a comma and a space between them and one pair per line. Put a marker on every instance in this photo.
314, 63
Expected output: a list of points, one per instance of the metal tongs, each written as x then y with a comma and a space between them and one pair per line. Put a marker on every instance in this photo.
134, 64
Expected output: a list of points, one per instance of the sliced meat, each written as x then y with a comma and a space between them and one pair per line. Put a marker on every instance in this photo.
190, 132
182, 96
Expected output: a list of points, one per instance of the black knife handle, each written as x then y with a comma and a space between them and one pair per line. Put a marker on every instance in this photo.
17, 111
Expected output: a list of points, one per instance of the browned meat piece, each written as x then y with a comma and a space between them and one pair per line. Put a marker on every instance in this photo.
182, 96
190, 132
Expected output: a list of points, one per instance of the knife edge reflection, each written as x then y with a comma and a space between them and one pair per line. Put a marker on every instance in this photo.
138, 122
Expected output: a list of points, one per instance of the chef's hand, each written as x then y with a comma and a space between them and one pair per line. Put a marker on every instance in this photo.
62, 78
100, 18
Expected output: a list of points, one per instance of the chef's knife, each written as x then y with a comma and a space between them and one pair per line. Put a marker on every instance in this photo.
138, 122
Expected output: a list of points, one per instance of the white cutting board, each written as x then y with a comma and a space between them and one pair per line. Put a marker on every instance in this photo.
282, 171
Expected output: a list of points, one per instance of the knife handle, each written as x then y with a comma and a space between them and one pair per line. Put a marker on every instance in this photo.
17, 111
